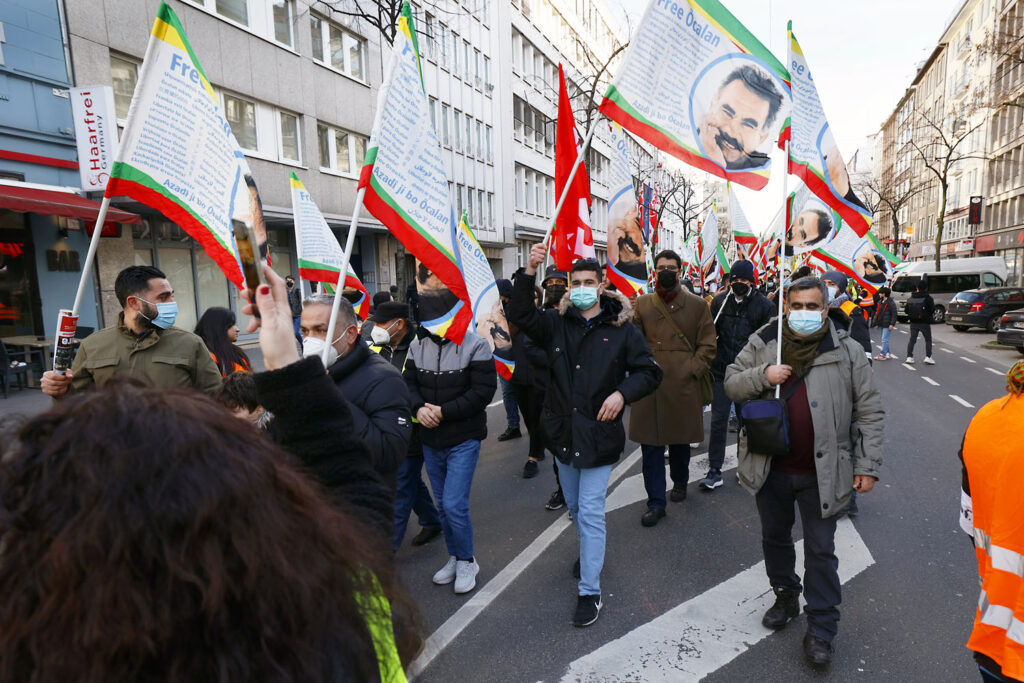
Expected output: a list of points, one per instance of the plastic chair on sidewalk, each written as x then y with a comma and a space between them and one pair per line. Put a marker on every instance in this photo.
11, 368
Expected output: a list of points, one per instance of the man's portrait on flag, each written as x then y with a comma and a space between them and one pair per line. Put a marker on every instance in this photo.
253, 213
870, 264
626, 245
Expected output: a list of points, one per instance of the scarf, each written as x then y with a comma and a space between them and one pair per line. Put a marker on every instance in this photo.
798, 351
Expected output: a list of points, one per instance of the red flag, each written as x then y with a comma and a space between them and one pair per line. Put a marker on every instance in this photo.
573, 238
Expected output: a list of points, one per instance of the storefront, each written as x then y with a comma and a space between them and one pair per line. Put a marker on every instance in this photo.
1010, 246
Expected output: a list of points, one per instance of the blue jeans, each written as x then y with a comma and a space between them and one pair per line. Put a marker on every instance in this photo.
451, 475
886, 333
584, 492
654, 470
411, 494
821, 587
721, 406
508, 395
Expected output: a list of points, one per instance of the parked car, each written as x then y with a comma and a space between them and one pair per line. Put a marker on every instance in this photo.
1011, 329
957, 275
982, 307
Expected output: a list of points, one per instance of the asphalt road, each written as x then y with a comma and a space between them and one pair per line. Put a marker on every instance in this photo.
683, 599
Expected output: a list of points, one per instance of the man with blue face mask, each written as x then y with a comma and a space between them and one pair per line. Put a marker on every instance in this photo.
143, 344
598, 361
836, 429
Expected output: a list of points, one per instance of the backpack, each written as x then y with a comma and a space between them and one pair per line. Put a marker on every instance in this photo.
916, 311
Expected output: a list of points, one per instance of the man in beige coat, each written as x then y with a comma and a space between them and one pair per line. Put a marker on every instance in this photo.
681, 334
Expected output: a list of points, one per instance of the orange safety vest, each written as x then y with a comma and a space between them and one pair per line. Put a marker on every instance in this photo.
848, 307
995, 471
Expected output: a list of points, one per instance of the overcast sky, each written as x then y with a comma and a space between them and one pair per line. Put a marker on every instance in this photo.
863, 55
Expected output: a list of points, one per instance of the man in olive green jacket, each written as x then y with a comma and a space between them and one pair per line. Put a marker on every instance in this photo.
143, 344
836, 431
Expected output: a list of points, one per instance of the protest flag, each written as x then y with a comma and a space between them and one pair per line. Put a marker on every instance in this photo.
742, 233
319, 254
573, 237
178, 154
405, 186
488, 313
627, 245
698, 85
813, 154
649, 228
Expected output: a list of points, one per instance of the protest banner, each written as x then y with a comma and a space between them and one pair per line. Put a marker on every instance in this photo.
319, 254
627, 247
488, 313
698, 85
863, 258
813, 154
707, 243
573, 236
406, 187
742, 232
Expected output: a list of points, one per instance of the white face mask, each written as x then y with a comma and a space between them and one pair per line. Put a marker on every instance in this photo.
381, 335
314, 346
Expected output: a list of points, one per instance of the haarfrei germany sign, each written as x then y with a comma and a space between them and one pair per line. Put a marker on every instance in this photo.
95, 134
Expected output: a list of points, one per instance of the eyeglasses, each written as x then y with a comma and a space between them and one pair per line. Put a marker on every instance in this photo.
671, 269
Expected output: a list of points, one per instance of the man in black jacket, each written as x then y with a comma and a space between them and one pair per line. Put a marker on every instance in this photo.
920, 309
591, 346
450, 386
738, 313
377, 396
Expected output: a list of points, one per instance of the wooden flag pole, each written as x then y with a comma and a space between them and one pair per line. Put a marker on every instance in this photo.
782, 259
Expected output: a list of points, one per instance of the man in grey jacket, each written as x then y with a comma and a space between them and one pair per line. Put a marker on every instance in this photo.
836, 423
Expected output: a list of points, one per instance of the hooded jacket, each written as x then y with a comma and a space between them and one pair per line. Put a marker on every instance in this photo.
587, 361
846, 410
737, 322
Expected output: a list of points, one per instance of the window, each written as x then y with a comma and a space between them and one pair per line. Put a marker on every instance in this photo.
445, 114
270, 19
235, 10
282, 14
490, 149
338, 48
458, 130
241, 116
469, 135
262, 130
430, 26
341, 151
289, 137
124, 76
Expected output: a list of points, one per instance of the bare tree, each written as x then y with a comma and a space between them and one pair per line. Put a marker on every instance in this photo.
940, 145
379, 14
889, 195
1005, 46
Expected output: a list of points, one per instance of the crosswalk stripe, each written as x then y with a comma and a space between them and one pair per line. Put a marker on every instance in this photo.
962, 402
946, 350
995, 372
969, 360
930, 381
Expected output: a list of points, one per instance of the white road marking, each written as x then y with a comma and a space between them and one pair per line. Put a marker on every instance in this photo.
995, 372
632, 489
946, 350
496, 403
930, 381
707, 632
959, 400
909, 367
969, 360
903, 331
481, 600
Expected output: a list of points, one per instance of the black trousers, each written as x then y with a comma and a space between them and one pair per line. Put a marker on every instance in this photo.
926, 330
530, 400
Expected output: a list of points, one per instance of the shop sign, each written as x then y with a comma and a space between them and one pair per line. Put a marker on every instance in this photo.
95, 134
63, 261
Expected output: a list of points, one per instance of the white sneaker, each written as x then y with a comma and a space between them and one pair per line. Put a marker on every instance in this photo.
909, 361
446, 574
928, 360
465, 576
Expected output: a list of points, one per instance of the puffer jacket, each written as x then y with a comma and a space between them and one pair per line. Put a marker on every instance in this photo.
846, 410
885, 314
460, 379
587, 362
735, 325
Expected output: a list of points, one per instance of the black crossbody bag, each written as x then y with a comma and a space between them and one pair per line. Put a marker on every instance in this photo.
766, 422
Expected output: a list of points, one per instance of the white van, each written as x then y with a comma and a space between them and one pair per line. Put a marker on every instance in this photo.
956, 275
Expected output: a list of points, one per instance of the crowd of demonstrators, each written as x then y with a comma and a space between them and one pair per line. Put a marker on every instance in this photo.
393, 334
375, 392
737, 314
142, 344
294, 304
214, 557
508, 392
680, 333
218, 328
885, 319
450, 386
920, 310
379, 299
990, 507
835, 437
845, 312
598, 362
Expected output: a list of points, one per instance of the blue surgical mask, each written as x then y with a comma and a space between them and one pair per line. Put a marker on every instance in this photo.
833, 292
583, 297
166, 313
804, 322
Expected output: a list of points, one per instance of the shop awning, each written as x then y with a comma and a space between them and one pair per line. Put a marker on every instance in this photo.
56, 203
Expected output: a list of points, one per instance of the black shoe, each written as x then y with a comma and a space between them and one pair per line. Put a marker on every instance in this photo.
786, 607
817, 651
651, 517
530, 469
426, 535
677, 494
510, 434
556, 501
587, 609
576, 569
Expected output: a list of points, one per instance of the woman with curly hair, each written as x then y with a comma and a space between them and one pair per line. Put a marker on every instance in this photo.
218, 328
148, 535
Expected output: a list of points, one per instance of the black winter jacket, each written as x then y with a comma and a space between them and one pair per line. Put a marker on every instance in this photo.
379, 402
929, 307
396, 356
737, 322
461, 380
587, 362
885, 314
314, 425
531, 361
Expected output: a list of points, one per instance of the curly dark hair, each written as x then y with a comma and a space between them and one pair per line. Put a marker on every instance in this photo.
149, 536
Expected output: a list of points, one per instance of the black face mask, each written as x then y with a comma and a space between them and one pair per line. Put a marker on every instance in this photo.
553, 294
740, 289
667, 279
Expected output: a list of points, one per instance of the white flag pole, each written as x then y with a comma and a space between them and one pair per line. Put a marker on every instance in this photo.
94, 244
782, 258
